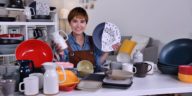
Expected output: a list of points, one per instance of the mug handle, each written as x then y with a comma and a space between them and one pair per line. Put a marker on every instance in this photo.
63, 70
135, 69
149, 68
33, 11
64, 33
20, 87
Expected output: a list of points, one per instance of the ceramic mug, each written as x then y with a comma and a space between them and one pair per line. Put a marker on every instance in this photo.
8, 87
58, 39
115, 65
40, 78
142, 69
153, 67
31, 85
129, 67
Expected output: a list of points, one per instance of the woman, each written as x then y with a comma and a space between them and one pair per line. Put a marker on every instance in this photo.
81, 44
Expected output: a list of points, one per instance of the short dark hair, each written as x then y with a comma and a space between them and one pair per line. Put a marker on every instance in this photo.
77, 12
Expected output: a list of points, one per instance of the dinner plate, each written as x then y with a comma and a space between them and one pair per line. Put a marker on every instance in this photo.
97, 34
35, 50
177, 52
105, 35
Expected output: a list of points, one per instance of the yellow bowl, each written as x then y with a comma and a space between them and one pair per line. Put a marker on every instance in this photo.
185, 78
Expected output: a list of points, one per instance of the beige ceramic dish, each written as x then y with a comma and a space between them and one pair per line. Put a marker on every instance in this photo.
119, 74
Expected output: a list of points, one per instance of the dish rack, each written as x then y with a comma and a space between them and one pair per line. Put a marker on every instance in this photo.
7, 59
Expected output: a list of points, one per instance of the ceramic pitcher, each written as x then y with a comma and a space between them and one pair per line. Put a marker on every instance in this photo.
51, 79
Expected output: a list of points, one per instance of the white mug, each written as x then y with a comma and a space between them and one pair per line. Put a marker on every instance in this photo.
129, 67
153, 67
58, 39
40, 77
31, 85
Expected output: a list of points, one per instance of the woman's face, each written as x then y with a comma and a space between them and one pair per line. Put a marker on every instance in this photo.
78, 25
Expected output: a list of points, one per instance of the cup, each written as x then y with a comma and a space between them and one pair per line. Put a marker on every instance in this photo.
129, 67
153, 67
8, 87
58, 39
31, 85
40, 78
142, 69
116, 65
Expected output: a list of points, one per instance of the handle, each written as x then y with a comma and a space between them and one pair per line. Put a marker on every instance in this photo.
135, 69
33, 66
20, 87
63, 72
64, 33
149, 68
33, 11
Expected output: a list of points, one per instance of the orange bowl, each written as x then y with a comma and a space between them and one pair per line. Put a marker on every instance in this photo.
185, 78
71, 80
67, 87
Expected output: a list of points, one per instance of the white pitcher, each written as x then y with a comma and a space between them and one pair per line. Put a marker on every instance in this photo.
51, 79
27, 12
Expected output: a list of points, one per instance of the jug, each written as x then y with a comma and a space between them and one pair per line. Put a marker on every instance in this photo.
26, 67
51, 79
28, 13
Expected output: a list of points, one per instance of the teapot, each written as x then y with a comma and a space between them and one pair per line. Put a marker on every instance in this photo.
51, 79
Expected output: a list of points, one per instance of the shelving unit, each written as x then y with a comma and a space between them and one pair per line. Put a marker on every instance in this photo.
25, 26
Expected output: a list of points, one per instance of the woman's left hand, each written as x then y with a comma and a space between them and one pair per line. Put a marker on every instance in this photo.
116, 46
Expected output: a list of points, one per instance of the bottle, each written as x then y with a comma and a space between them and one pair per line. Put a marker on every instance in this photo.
137, 56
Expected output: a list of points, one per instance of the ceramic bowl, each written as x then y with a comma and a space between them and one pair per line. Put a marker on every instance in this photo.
35, 50
70, 82
185, 69
12, 36
185, 78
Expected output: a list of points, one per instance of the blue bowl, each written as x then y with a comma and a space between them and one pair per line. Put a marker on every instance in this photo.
177, 52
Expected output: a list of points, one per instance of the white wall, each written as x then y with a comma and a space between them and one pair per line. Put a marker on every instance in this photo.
164, 20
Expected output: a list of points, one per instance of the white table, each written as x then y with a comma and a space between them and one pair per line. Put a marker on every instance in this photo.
150, 85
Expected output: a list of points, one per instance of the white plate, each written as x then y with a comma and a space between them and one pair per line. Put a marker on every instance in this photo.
111, 35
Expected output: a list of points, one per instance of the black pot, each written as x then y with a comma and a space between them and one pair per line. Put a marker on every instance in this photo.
15, 4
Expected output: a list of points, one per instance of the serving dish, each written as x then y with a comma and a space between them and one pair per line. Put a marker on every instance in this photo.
35, 50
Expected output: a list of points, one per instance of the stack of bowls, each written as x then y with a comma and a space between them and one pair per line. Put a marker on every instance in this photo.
168, 68
175, 53
9, 42
185, 73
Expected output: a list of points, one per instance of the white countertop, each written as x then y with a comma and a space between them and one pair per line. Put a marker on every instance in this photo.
151, 84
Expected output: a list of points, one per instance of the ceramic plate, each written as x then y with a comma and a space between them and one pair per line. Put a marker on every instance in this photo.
105, 35
97, 34
111, 35
35, 50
